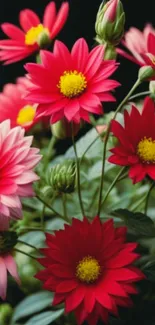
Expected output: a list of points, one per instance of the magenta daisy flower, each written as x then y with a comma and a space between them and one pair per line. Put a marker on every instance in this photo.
71, 85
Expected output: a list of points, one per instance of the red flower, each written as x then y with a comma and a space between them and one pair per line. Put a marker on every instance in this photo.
24, 42
141, 45
14, 108
136, 147
88, 266
71, 84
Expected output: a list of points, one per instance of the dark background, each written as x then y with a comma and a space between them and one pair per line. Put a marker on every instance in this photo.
80, 24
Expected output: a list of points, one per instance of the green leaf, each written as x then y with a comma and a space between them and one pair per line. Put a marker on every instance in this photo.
45, 318
149, 270
32, 305
138, 223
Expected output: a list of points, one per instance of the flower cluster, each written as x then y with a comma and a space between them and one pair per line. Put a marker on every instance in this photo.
91, 266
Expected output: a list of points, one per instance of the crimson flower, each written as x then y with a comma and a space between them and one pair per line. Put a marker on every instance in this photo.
88, 266
14, 108
71, 85
25, 41
141, 45
136, 147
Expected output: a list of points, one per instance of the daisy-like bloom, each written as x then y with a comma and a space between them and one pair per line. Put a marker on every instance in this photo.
136, 147
17, 160
141, 45
7, 263
71, 85
14, 107
88, 266
23, 42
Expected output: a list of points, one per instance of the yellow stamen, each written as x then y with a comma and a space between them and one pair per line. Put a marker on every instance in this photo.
72, 83
146, 150
34, 34
26, 115
88, 270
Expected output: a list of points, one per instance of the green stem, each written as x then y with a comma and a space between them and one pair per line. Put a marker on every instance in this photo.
90, 145
24, 253
64, 207
144, 93
78, 172
49, 206
27, 244
137, 83
42, 216
112, 185
148, 196
51, 145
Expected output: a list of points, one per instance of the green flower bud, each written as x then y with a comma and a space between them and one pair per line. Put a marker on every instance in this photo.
8, 239
62, 177
62, 129
44, 39
6, 312
110, 22
152, 89
146, 73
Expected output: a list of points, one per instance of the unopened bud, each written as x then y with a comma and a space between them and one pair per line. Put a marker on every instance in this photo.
8, 239
6, 312
63, 129
62, 177
152, 89
145, 73
44, 39
110, 22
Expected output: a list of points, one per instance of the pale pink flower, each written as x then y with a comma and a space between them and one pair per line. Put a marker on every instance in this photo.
17, 161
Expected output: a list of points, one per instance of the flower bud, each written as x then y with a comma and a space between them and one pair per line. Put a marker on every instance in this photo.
110, 22
152, 89
62, 177
8, 239
6, 312
44, 39
63, 129
146, 73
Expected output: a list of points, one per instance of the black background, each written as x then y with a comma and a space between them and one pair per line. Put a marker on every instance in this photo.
80, 24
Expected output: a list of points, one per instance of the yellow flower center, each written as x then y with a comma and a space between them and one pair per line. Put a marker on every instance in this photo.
146, 150
88, 270
72, 83
35, 34
26, 115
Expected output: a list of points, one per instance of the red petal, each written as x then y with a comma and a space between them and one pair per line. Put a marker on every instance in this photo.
28, 19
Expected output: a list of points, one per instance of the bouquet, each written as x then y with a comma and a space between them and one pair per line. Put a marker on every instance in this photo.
77, 232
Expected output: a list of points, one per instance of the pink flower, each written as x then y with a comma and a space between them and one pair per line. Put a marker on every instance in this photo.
141, 45
14, 107
7, 263
17, 160
25, 41
71, 85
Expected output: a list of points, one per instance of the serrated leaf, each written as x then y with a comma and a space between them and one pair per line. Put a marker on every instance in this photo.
137, 222
32, 305
45, 318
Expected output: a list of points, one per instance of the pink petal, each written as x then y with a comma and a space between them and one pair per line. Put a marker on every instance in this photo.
13, 32
12, 267
3, 279
94, 61
28, 19
80, 54
49, 15
60, 19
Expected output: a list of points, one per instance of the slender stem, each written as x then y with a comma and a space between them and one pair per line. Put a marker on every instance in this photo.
112, 185
148, 196
49, 151
27, 244
78, 172
139, 203
42, 216
64, 206
137, 83
49, 206
90, 145
24, 253
144, 93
